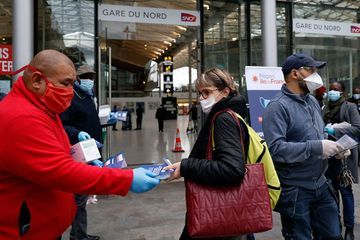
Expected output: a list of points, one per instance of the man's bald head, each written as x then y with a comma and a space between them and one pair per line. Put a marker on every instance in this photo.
52, 64
49, 61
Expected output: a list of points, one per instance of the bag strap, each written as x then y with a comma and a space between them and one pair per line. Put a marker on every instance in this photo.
211, 140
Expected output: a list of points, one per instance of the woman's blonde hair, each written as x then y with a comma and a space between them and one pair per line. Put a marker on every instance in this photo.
218, 78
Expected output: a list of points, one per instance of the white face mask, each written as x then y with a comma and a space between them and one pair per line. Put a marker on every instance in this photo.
313, 82
207, 104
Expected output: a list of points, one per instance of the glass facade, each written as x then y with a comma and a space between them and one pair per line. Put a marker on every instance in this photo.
232, 37
67, 26
341, 52
138, 47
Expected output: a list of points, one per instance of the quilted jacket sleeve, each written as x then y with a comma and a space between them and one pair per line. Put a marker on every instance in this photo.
227, 166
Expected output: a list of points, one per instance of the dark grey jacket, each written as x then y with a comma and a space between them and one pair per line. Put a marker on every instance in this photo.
293, 130
350, 114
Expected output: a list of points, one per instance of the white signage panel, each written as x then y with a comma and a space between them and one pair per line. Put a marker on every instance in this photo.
119, 13
264, 78
326, 27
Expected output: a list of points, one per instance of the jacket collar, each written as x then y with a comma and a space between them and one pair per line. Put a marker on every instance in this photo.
297, 97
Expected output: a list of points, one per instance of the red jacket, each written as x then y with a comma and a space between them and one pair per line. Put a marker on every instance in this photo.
36, 168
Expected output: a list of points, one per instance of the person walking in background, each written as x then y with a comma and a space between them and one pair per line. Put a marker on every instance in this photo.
38, 176
194, 116
160, 116
218, 92
337, 112
139, 116
127, 124
81, 122
114, 110
293, 130
355, 98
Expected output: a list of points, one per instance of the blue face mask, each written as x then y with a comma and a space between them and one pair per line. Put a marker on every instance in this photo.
87, 85
356, 96
334, 95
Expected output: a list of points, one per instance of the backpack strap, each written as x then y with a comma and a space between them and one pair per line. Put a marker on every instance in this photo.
211, 141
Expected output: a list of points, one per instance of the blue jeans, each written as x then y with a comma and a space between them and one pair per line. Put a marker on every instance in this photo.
347, 197
306, 212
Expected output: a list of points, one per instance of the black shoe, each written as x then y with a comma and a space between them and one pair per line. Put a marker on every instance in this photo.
349, 233
93, 237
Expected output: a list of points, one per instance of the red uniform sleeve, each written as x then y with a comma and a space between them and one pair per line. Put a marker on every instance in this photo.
35, 153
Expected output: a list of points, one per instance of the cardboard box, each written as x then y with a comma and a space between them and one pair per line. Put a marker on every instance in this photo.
104, 114
85, 151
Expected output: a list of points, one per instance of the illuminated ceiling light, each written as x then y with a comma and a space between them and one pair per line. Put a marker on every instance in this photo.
174, 40
234, 39
206, 6
182, 28
157, 53
166, 48
166, 42
162, 51
145, 45
177, 34
3, 39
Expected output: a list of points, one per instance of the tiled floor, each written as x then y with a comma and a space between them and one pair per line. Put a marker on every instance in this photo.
148, 145
158, 214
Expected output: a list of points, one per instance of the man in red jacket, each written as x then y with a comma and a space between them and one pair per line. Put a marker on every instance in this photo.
37, 174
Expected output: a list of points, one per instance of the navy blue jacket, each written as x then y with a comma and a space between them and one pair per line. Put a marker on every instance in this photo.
293, 130
81, 116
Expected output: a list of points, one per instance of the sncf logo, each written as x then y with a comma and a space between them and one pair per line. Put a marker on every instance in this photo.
355, 29
186, 17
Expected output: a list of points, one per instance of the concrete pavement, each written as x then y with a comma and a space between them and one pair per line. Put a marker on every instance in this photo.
158, 214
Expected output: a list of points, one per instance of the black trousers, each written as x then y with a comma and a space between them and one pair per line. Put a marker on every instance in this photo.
79, 225
138, 122
161, 125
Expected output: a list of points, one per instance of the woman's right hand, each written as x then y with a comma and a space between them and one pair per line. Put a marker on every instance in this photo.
176, 173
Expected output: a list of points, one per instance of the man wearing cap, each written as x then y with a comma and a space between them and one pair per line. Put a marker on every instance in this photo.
294, 131
81, 122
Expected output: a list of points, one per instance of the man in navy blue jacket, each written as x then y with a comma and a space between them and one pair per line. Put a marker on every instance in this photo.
294, 131
81, 122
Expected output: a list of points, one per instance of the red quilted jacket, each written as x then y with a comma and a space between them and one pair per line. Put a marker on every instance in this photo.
36, 168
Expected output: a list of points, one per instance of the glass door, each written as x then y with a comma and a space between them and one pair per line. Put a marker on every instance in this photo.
104, 96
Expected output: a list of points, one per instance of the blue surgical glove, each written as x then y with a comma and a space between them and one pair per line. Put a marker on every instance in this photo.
83, 136
96, 163
330, 130
143, 181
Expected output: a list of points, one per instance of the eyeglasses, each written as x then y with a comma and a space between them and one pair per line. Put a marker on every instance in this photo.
206, 92
309, 69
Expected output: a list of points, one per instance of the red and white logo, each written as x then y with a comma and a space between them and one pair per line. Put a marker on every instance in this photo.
255, 78
355, 29
186, 17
